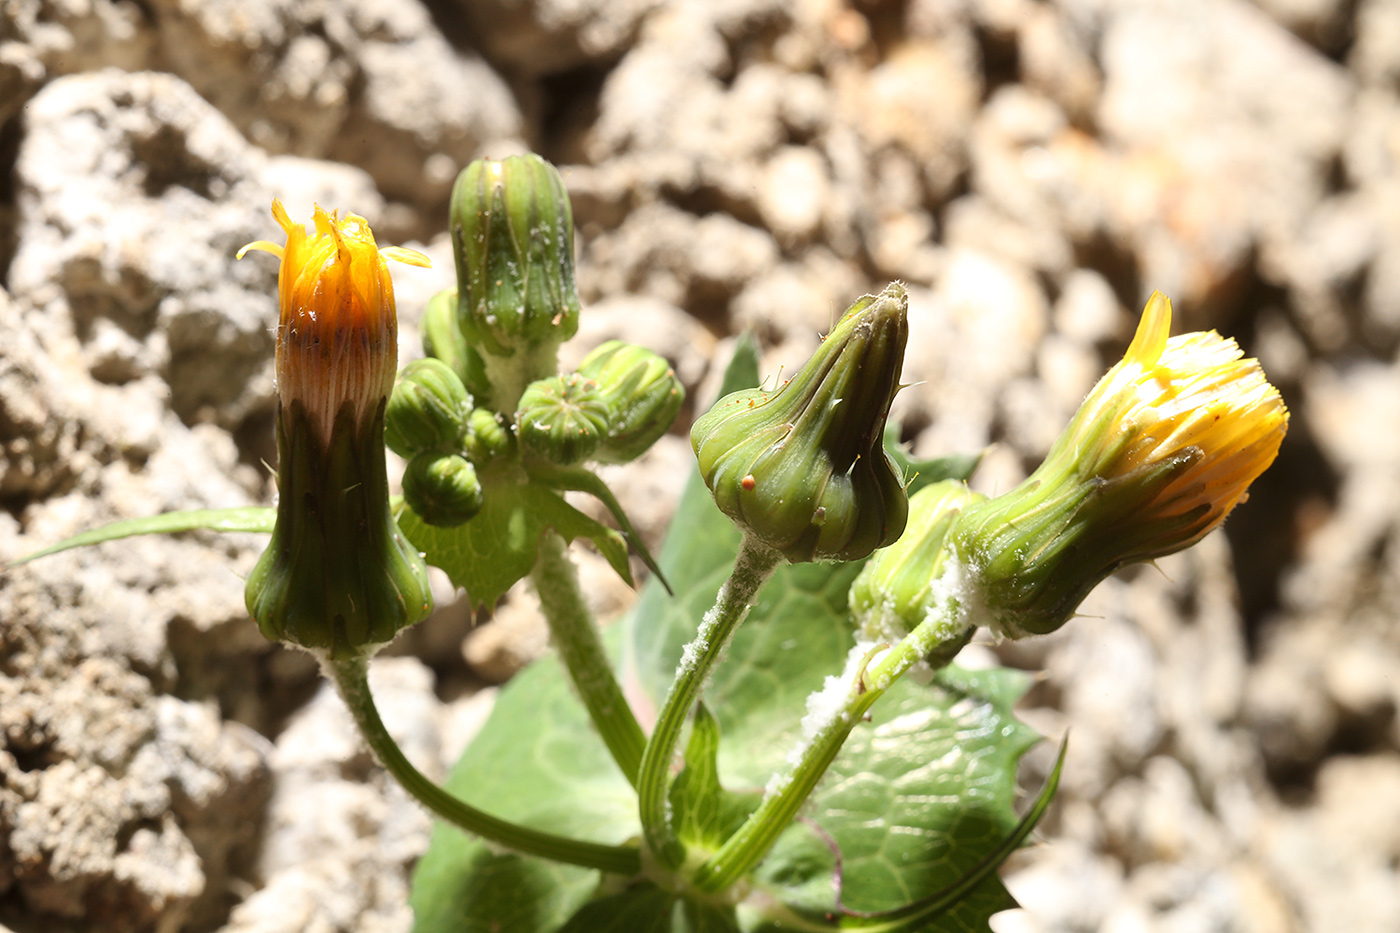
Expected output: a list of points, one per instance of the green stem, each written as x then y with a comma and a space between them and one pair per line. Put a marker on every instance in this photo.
935, 639
575, 635
755, 564
351, 677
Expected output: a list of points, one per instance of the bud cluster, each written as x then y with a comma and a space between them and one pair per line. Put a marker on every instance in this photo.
489, 392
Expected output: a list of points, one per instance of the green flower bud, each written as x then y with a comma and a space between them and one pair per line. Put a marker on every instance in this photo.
442, 337
562, 419
802, 467
443, 490
487, 439
427, 409
513, 238
443, 340
642, 394
916, 579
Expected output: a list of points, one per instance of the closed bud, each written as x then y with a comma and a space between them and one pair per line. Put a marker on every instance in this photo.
443, 340
427, 410
1166, 444
802, 467
338, 577
487, 439
916, 579
642, 394
562, 419
442, 489
513, 237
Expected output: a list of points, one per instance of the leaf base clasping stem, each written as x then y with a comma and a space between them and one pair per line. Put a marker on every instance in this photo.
351, 678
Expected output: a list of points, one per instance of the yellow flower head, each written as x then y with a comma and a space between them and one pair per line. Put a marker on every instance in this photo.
1189, 397
337, 331
1163, 448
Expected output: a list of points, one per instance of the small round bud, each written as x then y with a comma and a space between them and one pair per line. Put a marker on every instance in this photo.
427, 409
802, 468
642, 394
562, 419
442, 339
486, 439
513, 238
443, 490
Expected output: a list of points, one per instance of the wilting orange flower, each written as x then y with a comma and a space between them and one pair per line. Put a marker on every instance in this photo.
337, 332
338, 577
1163, 448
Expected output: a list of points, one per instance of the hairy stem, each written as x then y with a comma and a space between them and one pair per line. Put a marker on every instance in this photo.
934, 639
754, 566
575, 635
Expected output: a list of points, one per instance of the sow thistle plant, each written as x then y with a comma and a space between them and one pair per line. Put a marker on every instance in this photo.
745, 750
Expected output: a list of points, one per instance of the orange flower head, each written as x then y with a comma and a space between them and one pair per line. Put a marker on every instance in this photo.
338, 577
337, 330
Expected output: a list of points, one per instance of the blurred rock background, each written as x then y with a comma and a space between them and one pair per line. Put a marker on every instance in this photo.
1031, 169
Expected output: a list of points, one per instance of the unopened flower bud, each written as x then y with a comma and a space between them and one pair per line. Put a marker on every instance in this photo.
642, 394
337, 576
802, 468
1163, 448
443, 340
487, 439
442, 489
913, 581
562, 419
513, 237
427, 410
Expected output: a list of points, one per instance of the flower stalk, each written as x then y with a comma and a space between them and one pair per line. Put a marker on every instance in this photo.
755, 564
351, 678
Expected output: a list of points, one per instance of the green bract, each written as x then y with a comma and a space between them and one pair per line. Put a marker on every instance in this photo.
427, 409
642, 395
442, 489
801, 468
513, 238
562, 419
337, 576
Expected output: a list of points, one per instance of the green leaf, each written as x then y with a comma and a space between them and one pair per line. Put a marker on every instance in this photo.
920, 805
584, 480
538, 762
249, 518
488, 554
646, 908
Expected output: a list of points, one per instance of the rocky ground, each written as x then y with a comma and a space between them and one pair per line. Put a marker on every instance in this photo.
1031, 169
